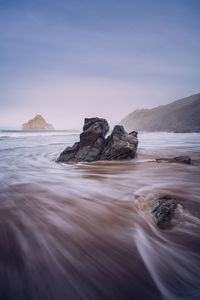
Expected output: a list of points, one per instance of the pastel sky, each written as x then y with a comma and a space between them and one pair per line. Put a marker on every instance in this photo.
71, 59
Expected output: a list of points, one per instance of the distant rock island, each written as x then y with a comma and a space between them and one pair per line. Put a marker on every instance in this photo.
179, 116
37, 123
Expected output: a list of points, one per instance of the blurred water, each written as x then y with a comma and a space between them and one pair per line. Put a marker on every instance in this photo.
83, 231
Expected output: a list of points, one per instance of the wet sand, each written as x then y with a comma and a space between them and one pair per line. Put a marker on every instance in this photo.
84, 231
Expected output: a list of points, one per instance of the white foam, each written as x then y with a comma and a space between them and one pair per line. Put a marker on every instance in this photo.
22, 134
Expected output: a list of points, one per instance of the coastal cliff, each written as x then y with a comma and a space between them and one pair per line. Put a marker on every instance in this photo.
37, 123
179, 116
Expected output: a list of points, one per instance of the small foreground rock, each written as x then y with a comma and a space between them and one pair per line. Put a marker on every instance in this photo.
179, 159
162, 209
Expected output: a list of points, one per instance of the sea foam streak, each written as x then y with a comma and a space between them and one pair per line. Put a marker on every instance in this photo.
30, 133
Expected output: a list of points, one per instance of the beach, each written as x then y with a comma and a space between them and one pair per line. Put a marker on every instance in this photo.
84, 230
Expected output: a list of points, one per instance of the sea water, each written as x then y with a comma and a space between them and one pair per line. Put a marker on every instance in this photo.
84, 230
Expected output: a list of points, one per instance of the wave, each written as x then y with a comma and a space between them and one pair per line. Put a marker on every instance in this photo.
21, 134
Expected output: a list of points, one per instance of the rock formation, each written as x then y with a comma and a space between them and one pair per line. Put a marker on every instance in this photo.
179, 159
94, 146
37, 123
120, 145
162, 209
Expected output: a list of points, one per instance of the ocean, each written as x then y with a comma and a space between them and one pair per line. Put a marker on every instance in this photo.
84, 230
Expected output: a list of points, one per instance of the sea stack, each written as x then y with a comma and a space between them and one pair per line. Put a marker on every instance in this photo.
37, 123
94, 146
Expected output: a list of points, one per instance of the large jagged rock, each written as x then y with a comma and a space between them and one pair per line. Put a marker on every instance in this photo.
179, 159
37, 123
93, 145
162, 209
120, 145
92, 141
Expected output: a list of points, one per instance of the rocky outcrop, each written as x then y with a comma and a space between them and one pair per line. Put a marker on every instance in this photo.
37, 123
162, 210
120, 145
179, 159
92, 141
94, 146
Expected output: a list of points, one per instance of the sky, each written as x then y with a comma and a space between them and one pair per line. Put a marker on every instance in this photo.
71, 59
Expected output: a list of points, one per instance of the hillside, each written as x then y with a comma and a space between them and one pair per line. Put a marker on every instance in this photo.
179, 116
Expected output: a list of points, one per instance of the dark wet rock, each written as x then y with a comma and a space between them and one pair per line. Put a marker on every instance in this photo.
92, 141
182, 159
120, 145
93, 145
162, 210
134, 133
179, 159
